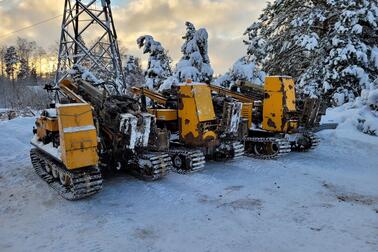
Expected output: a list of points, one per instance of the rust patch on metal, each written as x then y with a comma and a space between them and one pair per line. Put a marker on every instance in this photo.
271, 123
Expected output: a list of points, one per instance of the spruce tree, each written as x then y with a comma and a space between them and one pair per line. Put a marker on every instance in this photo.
328, 46
195, 63
159, 68
133, 71
11, 60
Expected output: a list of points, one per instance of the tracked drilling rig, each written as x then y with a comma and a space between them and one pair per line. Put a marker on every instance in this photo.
197, 132
93, 127
278, 122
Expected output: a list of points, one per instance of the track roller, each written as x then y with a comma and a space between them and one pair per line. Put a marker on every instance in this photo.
153, 166
267, 148
186, 161
306, 142
71, 185
228, 151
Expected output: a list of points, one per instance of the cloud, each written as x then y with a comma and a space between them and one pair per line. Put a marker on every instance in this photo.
225, 20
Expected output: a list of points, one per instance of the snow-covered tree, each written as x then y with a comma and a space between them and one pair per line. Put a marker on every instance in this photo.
11, 60
346, 62
3, 50
24, 70
133, 72
195, 62
159, 68
328, 46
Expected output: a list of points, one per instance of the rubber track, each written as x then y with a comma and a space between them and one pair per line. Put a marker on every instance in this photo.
85, 182
284, 147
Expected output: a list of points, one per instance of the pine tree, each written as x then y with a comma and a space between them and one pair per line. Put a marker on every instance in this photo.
11, 60
195, 62
134, 76
159, 68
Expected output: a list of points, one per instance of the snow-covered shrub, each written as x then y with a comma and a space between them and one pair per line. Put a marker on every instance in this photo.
354, 115
244, 69
373, 99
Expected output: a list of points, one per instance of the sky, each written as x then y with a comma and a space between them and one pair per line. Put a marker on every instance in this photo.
225, 21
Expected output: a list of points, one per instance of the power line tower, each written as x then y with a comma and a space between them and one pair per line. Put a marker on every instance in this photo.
89, 39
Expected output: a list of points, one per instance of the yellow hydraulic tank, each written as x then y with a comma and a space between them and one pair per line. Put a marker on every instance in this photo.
279, 100
78, 136
46, 124
195, 110
164, 114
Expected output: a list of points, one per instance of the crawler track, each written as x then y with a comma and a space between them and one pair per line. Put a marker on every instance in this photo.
187, 161
228, 151
267, 147
309, 142
238, 149
71, 185
152, 166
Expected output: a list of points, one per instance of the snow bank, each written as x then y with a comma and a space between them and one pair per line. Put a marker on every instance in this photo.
354, 118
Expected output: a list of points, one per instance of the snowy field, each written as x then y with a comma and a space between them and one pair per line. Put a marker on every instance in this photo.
325, 200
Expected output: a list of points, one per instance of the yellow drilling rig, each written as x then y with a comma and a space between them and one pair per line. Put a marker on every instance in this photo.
278, 123
93, 127
196, 131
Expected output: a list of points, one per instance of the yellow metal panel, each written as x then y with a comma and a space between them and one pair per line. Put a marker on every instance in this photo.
279, 100
204, 103
50, 124
273, 112
195, 103
187, 113
247, 113
74, 115
45, 124
289, 88
164, 114
78, 138
273, 84
81, 158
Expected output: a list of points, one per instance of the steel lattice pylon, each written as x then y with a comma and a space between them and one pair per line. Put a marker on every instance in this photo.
89, 39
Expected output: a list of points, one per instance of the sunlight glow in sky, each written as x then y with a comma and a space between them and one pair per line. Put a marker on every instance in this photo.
225, 21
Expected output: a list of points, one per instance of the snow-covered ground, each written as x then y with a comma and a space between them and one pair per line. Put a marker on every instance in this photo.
325, 200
